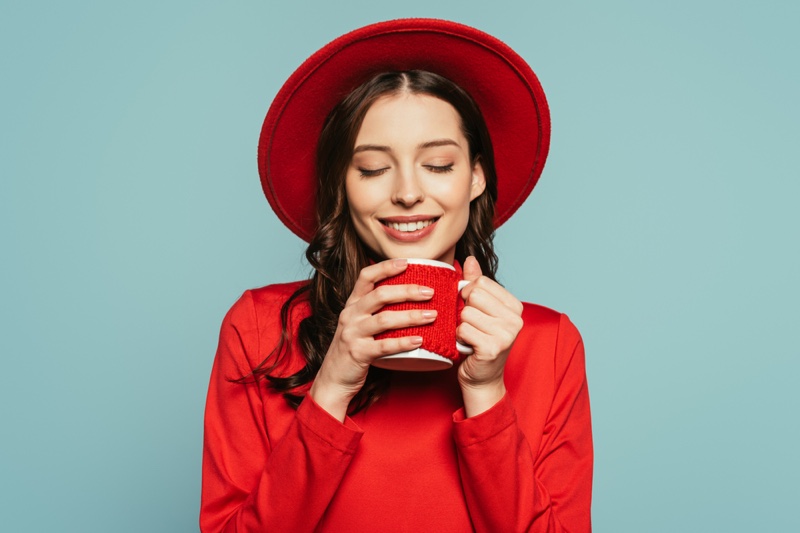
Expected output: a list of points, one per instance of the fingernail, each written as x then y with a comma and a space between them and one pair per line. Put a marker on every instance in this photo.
429, 313
399, 262
426, 291
416, 341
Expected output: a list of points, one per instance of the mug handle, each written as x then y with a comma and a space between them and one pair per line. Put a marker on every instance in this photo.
463, 349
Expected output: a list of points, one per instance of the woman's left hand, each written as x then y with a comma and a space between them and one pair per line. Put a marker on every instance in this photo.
490, 322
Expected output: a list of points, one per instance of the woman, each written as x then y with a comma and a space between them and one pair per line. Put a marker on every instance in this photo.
302, 433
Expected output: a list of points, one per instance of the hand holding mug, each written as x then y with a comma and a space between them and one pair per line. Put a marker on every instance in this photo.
490, 322
354, 346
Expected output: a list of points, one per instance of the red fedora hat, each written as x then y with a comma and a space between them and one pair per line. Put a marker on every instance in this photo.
498, 79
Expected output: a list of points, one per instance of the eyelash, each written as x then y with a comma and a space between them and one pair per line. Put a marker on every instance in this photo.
440, 169
369, 173
437, 169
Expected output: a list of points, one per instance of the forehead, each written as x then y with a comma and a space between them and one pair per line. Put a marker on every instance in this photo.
406, 116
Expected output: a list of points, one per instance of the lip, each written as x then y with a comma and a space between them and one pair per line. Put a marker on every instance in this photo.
409, 236
408, 218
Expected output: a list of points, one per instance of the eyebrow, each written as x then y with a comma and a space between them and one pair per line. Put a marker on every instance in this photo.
371, 147
380, 148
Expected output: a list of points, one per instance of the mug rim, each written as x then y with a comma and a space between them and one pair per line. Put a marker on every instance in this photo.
429, 262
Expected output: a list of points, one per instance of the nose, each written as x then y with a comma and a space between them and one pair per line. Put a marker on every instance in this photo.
407, 188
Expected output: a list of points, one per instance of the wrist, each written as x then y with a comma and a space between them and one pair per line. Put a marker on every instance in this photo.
481, 398
331, 399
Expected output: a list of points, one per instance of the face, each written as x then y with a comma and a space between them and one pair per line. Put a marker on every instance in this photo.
411, 180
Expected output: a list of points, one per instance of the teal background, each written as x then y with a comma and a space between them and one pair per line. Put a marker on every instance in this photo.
665, 225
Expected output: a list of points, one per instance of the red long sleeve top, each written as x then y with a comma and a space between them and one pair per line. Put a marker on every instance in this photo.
409, 462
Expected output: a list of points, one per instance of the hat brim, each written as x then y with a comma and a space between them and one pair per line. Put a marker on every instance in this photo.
498, 79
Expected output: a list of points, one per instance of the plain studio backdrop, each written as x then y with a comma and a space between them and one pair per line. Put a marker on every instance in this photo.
665, 224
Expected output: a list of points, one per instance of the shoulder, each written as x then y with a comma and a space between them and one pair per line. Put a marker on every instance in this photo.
257, 305
258, 311
271, 296
252, 327
547, 333
548, 321
547, 357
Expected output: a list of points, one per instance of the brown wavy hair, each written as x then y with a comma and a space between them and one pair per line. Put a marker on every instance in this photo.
337, 254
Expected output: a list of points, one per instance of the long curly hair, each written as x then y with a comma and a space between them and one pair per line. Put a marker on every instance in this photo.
337, 254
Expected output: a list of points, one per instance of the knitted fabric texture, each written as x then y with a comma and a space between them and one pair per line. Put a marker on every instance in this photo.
439, 336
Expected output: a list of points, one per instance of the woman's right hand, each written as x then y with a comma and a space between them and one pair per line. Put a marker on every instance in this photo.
353, 347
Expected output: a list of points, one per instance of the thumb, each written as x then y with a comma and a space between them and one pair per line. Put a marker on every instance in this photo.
471, 269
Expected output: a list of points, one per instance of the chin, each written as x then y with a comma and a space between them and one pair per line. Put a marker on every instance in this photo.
380, 250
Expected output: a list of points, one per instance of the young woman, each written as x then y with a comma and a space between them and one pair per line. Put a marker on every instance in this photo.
302, 433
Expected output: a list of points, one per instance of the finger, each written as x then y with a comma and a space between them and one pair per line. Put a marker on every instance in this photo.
480, 297
487, 347
375, 273
469, 334
497, 292
506, 325
388, 320
392, 294
491, 303
471, 269
385, 347
478, 320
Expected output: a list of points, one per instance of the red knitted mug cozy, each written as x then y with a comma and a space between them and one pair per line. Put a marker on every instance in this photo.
439, 336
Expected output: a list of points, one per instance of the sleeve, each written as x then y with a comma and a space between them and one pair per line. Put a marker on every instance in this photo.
253, 484
510, 487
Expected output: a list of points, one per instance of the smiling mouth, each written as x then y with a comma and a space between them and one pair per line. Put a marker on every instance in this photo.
408, 227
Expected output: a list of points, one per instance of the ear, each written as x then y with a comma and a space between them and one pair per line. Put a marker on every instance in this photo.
478, 180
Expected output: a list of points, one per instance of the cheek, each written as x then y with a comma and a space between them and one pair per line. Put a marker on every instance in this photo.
360, 205
348, 188
463, 220
354, 193
457, 203
457, 195
461, 202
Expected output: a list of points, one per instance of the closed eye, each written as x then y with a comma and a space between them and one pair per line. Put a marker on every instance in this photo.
440, 169
372, 172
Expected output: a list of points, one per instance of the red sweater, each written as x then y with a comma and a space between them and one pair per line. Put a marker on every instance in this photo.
411, 461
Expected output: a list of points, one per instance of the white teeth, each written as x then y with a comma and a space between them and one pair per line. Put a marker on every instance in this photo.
409, 226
